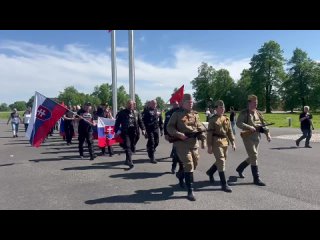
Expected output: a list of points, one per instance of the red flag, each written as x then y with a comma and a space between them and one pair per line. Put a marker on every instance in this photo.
177, 96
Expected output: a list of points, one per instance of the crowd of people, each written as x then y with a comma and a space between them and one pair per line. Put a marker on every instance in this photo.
181, 127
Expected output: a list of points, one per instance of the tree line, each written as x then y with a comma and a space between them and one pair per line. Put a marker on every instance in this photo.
280, 84
71, 96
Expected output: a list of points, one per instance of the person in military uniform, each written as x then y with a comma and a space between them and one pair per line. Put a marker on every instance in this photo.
152, 120
218, 137
85, 131
129, 121
252, 120
173, 155
185, 126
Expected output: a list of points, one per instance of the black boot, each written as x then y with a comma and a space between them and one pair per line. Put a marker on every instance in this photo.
173, 167
151, 156
129, 160
210, 173
110, 150
188, 176
241, 167
103, 151
256, 178
224, 185
180, 176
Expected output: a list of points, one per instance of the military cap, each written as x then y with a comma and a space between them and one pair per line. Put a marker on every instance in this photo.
187, 97
219, 103
252, 97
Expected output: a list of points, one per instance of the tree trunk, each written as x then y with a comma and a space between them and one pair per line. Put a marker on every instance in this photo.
268, 104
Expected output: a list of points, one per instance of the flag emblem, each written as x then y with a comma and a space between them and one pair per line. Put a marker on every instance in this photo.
43, 113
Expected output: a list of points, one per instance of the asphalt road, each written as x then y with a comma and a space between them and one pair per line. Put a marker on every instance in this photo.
54, 177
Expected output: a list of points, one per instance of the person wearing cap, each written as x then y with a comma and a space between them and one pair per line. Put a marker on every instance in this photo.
174, 155
85, 131
185, 122
250, 119
218, 137
152, 119
15, 121
129, 121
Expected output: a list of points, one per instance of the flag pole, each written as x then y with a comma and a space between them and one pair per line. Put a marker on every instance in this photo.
131, 67
114, 73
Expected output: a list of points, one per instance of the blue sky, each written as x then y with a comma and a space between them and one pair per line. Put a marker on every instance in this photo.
47, 61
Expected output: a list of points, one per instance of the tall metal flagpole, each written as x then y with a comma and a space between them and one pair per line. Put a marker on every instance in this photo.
114, 73
132, 90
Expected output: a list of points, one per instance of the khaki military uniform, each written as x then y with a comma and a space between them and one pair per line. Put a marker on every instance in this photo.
181, 122
219, 135
251, 142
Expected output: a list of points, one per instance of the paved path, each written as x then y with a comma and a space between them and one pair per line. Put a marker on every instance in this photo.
53, 177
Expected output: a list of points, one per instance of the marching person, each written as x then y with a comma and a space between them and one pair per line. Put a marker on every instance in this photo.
152, 120
85, 131
183, 123
129, 121
218, 137
251, 120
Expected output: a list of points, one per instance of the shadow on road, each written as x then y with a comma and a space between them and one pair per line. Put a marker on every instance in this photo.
141, 196
61, 158
233, 181
107, 165
9, 164
139, 175
283, 148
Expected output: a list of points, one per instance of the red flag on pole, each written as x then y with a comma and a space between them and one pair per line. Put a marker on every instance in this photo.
177, 96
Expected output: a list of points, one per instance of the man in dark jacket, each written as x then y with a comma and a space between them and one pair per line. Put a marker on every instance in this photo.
128, 121
152, 120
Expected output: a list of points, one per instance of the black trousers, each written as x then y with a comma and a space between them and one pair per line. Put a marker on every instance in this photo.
129, 142
86, 137
69, 130
153, 140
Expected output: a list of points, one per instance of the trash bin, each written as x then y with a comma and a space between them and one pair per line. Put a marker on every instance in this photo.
289, 121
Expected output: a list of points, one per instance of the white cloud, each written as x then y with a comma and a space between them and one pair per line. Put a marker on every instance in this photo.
119, 49
142, 39
26, 68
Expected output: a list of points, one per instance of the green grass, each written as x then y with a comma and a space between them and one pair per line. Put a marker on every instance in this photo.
281, 119
5, 115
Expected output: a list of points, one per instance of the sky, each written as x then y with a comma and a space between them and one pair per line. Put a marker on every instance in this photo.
48, 61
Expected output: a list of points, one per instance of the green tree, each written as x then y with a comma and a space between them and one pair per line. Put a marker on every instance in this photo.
138, 103
223, 85
4, 107
70, 95
30, 102
267, 73
104, 93
301, 78
123, 97
202, 85
242, 90
160, 103
19, 105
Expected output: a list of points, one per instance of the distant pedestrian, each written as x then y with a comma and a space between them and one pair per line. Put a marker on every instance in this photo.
306, 126
233, 120
15, 121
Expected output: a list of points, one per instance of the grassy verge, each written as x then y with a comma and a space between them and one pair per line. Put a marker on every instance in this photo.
5, 115
281, 119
